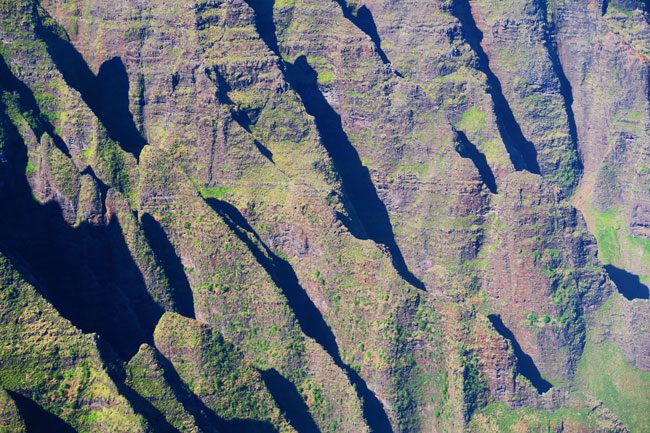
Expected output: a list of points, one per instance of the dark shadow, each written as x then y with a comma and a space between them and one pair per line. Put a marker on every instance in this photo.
206, 419
37, 419
309, 317
522, 152
239, 425
525, 364
171, 264
364, 21
264, 23
628, 284
103, 188
87, 272
603, 7
114, 367
565, 86
290, 402
467, 149
357, 184
106, 94
241, 117
29, 107
223, 88
373, 220
264, 150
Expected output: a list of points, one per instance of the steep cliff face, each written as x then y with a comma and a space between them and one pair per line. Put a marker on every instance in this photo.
324, 215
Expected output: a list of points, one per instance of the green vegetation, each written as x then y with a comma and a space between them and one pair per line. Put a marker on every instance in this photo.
215, 370
497, 417
148, 377
605, 374
10, 419
326, 77
218, 192
45, 357
30, 168
615, 244
472, 120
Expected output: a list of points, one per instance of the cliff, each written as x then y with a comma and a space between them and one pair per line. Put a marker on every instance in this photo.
324, 215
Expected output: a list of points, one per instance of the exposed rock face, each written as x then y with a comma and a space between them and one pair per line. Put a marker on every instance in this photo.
324, 215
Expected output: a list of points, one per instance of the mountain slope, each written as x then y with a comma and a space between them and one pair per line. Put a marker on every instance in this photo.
324, 215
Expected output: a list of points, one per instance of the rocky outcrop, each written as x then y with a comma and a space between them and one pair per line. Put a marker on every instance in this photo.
303, 215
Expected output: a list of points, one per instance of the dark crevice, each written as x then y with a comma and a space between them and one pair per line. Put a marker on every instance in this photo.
364, 21
175, 80
264, 23
525, 364
223, 88
106, 94
290, 402
241, 117
103, 188
357, 184
206, 419
171, 264
87, 272
522, 152
29, 107
629, 285
37, 419
309, 318
467, 149
141, 406
370, 218
264, 150
603, 7
565, 85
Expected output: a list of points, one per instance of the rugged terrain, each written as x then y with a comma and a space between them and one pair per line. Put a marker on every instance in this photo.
324, 216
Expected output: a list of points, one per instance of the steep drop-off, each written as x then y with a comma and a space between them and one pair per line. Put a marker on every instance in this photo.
324, 216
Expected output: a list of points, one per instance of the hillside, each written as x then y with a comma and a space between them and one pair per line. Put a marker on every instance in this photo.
324, 216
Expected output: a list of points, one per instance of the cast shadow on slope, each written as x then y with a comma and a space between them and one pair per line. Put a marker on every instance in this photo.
467, 149
365, 22
28, 105
289, 401
86, 272
565, 85
309, 317
603, 7
629, 285
106, 94
37, 419
206, 419
522, 152
241, 117
373, 220
114, 367
88, 275
357, 183
170, 263
525, 363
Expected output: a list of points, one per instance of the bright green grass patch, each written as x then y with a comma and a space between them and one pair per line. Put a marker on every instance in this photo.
613, 8
326, 77
472, 120
217, 192
284, 3
419, 169
498, 415
605, 374
613, 238
30, 168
